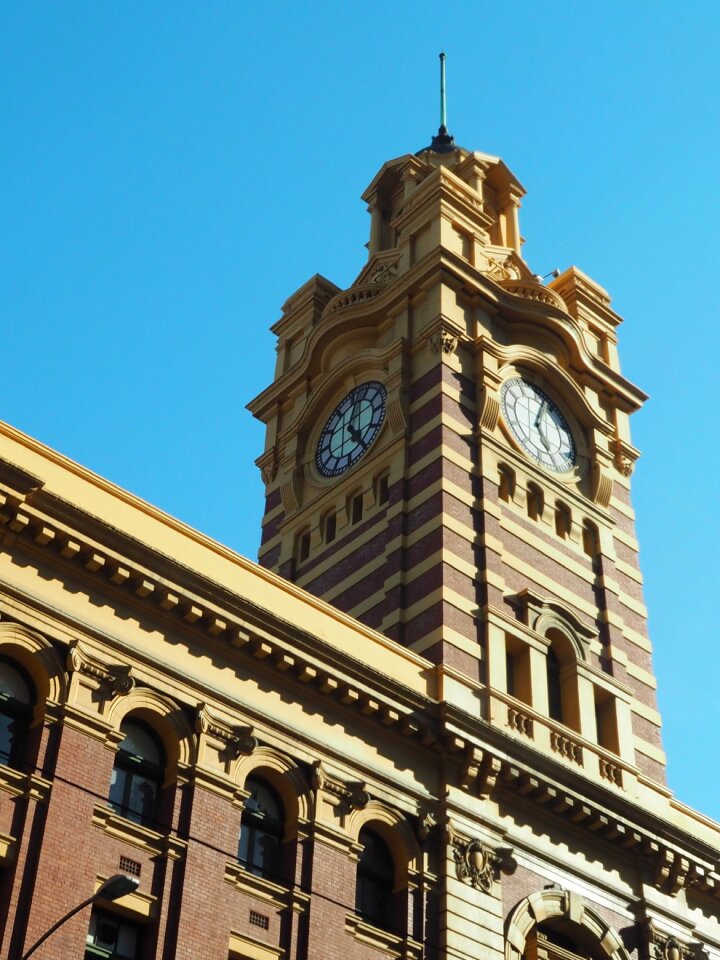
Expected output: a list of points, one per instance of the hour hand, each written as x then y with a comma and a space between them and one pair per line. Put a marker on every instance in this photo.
355, 435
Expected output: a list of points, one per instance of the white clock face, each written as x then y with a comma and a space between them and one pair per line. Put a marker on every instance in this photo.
538, 426
351, 428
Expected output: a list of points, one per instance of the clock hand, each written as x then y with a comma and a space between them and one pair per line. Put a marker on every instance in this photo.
539, 424
541, 413
356, 436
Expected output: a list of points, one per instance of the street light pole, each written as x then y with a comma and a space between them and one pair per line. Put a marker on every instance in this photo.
112, 889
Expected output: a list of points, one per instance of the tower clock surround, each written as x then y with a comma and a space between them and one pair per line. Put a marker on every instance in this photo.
351, 429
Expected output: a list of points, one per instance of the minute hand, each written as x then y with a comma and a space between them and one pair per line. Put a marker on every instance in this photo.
539, 424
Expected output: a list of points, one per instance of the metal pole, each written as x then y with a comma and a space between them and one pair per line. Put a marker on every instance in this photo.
60, 922
443, 105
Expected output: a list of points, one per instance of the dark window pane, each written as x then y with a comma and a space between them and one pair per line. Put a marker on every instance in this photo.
262, 829
375, 881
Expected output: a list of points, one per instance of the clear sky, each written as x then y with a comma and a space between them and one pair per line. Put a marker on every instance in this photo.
171, 171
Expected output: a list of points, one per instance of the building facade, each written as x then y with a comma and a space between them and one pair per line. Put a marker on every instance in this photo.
425, 726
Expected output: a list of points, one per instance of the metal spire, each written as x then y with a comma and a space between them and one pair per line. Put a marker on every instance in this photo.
443, 103
443, 142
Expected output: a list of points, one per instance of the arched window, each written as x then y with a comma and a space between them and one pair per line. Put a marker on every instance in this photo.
563, 520
506, 483
555, 704
535, 501
16, 700
262, 829
375, 881
138, 773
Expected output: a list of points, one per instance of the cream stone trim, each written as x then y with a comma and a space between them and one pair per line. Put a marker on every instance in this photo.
548, 550
30, 786
632, 573
442, 557
635, 605
650, 750
386, 943
637, 639
548, 583
646, 712
260, 887
165, 845
436, 596
448, 635
242, 947
626, 539
622, 508
38, 657
282, 774
142, 905
639, 673
165, 717
567, 904
440, 452
395, 830
8, 849
443, 389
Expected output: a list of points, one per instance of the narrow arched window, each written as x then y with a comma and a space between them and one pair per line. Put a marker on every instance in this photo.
563, 520
375, 881
555, 704
261, 830
506, 483
138, 773
535, 501
16, 700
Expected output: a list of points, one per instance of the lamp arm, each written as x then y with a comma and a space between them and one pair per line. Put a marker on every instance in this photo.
60, 922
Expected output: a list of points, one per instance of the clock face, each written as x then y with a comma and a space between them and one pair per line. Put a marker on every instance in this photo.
537, 424
351, 428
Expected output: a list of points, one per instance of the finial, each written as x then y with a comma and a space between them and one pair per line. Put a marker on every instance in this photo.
443, 142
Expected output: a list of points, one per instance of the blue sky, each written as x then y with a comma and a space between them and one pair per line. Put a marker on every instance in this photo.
171, 171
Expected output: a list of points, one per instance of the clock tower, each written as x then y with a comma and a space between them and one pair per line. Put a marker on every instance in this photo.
448, 460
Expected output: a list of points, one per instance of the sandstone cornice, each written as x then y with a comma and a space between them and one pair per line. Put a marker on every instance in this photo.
270, 642
679, 857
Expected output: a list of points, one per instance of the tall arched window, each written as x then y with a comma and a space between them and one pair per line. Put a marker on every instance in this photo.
138, 773
375, 881
262, 829
555, 704
16, 700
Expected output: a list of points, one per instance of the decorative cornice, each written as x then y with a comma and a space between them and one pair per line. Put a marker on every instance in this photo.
238, 740
533, 290
113, 679
348, 796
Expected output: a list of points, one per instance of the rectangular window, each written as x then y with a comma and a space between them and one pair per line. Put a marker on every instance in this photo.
111, 937
357, 508
383, 489
304, 546
330, 527
606, 721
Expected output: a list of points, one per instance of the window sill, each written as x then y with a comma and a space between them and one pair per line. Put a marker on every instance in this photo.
26, 785
267, 890
155, 843
242, 947
391, 944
